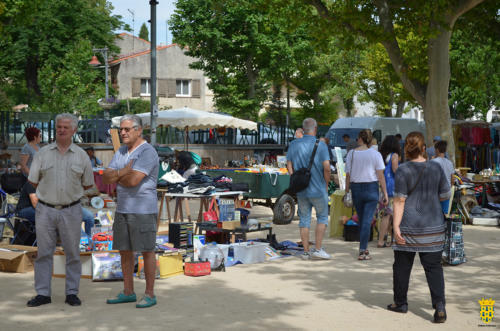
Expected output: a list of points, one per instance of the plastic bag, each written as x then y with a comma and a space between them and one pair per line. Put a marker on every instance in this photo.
347, 200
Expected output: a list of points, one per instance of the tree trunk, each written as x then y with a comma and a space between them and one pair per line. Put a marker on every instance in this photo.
400, 107
436, 109
32, 79
388, 112
349, 106
288, 111
251, 76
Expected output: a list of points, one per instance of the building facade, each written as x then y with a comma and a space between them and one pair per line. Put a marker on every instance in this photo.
177, 84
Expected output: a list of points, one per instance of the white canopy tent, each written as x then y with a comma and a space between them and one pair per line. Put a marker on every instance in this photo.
193, 119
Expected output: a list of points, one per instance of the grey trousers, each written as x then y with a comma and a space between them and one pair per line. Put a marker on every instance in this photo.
68, 222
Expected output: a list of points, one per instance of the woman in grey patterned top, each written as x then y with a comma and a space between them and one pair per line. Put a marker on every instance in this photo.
29, 149
419, 225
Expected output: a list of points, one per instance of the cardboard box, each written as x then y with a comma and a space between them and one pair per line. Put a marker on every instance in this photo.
59, 269
17, 258
230, 225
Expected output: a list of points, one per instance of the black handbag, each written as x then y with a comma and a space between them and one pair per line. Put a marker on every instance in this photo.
300, 179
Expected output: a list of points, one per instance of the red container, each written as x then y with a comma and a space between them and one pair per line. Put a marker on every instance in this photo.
196, 269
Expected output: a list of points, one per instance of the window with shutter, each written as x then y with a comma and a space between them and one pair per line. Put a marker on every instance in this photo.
182, 88
145, 87
171, 88
162, 88
136, 87
195, 88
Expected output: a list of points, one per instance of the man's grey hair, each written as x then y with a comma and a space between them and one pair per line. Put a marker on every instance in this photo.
309, 125
133, 118
68, 116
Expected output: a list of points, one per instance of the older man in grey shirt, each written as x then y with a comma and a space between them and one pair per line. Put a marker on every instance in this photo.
135, 169
60, 172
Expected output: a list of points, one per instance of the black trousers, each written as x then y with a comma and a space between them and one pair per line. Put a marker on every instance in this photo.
403, 262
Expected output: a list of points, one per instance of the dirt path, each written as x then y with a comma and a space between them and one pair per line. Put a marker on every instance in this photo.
286, 294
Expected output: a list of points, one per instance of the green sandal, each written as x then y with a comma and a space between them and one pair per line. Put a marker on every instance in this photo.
146, 302
122, 298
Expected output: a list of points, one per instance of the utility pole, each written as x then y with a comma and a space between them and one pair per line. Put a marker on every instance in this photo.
154, 106
133, 27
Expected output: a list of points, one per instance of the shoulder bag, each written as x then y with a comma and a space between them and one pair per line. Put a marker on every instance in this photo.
347, 199
300, 179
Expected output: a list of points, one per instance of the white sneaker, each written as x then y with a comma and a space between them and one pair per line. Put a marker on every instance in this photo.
305, 256
321, 254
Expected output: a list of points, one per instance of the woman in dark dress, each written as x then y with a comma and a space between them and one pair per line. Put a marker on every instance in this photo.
419, 225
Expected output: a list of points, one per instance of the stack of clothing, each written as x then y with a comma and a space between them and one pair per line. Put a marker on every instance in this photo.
223, 183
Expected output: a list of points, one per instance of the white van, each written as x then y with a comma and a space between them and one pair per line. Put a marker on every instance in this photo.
380, 127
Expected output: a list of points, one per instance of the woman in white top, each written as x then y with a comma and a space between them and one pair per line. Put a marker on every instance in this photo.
364, 173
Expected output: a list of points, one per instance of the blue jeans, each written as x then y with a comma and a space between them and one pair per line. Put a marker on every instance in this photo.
320, 204
365, 199
88, 219
27, 213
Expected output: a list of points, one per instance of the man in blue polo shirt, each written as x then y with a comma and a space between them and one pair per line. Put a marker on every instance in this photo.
316, 194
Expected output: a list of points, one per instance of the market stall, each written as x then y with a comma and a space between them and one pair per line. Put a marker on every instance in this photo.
270, 185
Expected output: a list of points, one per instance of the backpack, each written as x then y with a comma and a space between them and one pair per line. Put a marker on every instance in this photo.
300, 179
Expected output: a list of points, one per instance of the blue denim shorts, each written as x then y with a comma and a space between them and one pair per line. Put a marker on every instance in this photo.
320, 204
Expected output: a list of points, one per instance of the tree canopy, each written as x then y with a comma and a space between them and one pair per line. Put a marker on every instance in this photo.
144, 32
475, 63
422, 65
48, 44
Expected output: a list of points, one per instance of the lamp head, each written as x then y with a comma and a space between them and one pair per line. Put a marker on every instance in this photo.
94, 62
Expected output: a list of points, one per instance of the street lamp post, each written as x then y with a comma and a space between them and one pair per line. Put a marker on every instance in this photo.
95, 62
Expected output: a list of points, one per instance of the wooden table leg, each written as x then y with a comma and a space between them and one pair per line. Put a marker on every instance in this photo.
158, 220
178, 214
167, 202
187, 209
204, 205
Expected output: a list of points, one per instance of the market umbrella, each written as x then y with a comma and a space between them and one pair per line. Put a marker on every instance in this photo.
192, 119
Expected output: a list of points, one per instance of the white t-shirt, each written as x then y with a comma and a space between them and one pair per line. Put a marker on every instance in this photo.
364, 165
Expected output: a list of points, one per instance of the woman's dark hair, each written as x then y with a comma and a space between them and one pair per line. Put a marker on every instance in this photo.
414, 145
390, 144
366, 136
185, 160
31, 133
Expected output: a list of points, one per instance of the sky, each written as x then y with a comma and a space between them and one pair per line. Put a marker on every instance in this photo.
142, 13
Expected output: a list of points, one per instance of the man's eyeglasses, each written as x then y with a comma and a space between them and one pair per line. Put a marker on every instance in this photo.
126, 129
